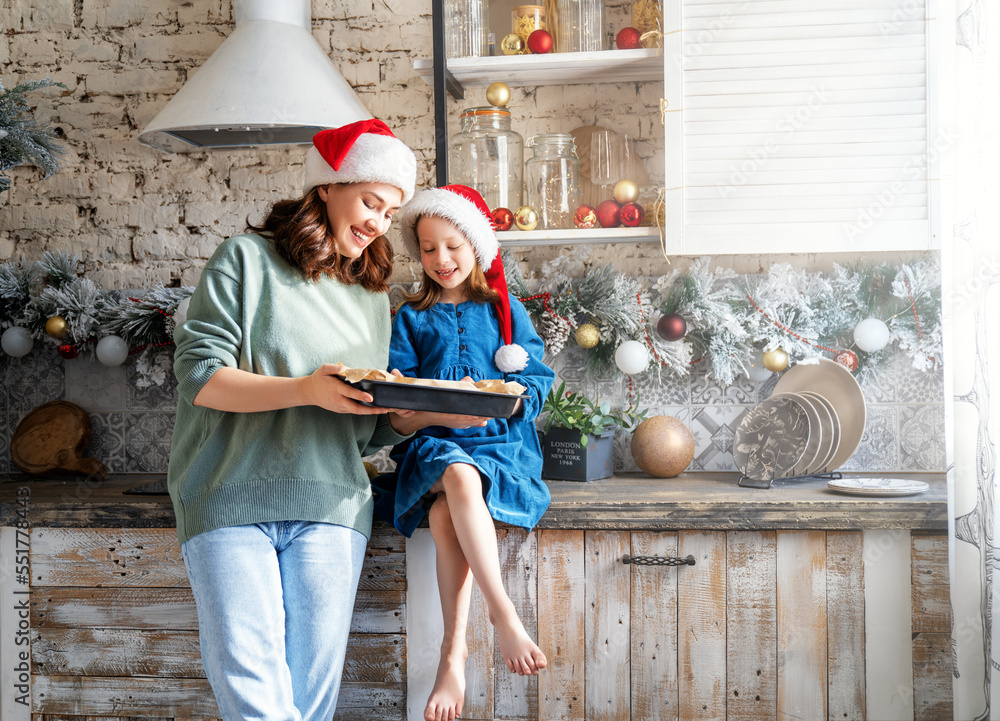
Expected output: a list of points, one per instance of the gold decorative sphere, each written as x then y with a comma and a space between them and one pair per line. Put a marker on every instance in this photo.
776, 360
626, 191
57, 327
662, 446
587, 336
498, 94
513, 44
525, 218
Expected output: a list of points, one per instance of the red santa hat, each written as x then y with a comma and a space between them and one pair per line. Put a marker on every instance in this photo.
465, 208
361, 152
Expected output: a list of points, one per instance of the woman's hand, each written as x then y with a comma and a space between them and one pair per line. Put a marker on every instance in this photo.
325, 389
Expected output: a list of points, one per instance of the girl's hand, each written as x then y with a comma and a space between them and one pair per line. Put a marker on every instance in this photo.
422, 419
324, 389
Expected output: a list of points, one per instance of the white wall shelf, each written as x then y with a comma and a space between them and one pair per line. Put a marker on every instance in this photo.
603, 66
520, 238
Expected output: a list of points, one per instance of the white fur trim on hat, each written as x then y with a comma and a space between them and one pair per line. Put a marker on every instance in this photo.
511, 358
372, 159
469, 219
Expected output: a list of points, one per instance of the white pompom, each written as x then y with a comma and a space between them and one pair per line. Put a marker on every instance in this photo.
511, 358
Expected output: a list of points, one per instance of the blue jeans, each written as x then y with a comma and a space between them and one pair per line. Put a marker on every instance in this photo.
274, 610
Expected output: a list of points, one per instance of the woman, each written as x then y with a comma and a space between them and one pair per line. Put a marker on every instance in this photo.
272, 501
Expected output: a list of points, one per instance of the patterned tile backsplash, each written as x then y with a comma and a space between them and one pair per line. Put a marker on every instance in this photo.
132, 425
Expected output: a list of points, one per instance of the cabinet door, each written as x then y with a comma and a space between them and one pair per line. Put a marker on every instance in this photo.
801, 127
764, 625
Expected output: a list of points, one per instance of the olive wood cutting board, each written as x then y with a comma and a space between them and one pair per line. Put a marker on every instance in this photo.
51, 439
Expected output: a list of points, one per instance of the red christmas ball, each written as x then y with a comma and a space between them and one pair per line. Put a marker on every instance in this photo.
628, 39
68, 351
585, 217
671, 327
540, 42
632, 214
609, 214
848, 359
503, 218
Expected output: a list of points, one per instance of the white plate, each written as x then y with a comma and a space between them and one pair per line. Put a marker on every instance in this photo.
835, 383
831, 430
878, 486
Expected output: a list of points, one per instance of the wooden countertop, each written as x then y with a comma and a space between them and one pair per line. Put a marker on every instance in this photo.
689, 501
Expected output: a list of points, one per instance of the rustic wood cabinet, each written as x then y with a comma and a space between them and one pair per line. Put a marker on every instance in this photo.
765, 625
801, 603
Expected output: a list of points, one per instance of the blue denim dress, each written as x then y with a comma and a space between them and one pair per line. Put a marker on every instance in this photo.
449, 342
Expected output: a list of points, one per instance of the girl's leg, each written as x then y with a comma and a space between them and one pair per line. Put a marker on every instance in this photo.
477, 536
455, 586
320, 566
236, 584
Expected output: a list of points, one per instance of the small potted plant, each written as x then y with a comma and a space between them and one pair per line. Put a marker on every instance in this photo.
578, 435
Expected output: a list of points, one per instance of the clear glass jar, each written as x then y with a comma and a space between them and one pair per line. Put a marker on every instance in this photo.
647, 16
580, 26
466, 25
526, 19
488, 156
552, 179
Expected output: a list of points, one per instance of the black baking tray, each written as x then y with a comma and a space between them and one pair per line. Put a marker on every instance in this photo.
407, 396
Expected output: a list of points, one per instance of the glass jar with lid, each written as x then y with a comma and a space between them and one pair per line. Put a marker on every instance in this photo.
552, 179
466, 25
488, 155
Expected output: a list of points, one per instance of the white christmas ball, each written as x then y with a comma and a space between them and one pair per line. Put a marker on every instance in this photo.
112, 350
756, 370
17, 342
181, 314
871, 335
631, 357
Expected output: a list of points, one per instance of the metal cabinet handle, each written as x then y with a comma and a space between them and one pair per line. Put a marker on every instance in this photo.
658, 560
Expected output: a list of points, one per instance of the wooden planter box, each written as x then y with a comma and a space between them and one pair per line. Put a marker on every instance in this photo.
563, 459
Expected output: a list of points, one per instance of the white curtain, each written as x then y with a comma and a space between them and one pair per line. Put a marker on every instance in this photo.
971, 256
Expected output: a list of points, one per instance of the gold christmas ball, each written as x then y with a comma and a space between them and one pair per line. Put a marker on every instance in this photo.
57, 327
776, 360
587, 336
512, 44
498, 94
525, 218
371, 470
662, 446
626, 191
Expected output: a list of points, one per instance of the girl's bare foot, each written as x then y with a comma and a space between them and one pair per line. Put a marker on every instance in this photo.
448, 695
519, 652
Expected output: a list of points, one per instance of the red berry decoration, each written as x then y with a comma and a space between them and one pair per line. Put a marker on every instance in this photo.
540, 42
503, 218
848, 359
609, 214
68, 351
671, 327
628, 39
585, 217
632, 214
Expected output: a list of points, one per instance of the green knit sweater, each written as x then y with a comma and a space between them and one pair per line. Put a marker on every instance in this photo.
254, 311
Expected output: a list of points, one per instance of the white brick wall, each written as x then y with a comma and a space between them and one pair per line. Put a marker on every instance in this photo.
139, 217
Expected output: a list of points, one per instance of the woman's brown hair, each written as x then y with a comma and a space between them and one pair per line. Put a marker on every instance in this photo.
429, 291
302, 236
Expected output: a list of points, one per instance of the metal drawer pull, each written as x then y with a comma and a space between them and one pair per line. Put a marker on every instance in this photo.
658, 560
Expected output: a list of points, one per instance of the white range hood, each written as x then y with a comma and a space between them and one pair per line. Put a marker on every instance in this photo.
269, 83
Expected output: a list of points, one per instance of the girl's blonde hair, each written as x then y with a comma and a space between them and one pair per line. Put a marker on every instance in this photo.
429, 292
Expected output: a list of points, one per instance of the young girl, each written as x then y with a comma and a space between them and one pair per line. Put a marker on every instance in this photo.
450, 329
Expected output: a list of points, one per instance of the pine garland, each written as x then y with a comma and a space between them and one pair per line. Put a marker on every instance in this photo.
731, 318
54, 286
24, 140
